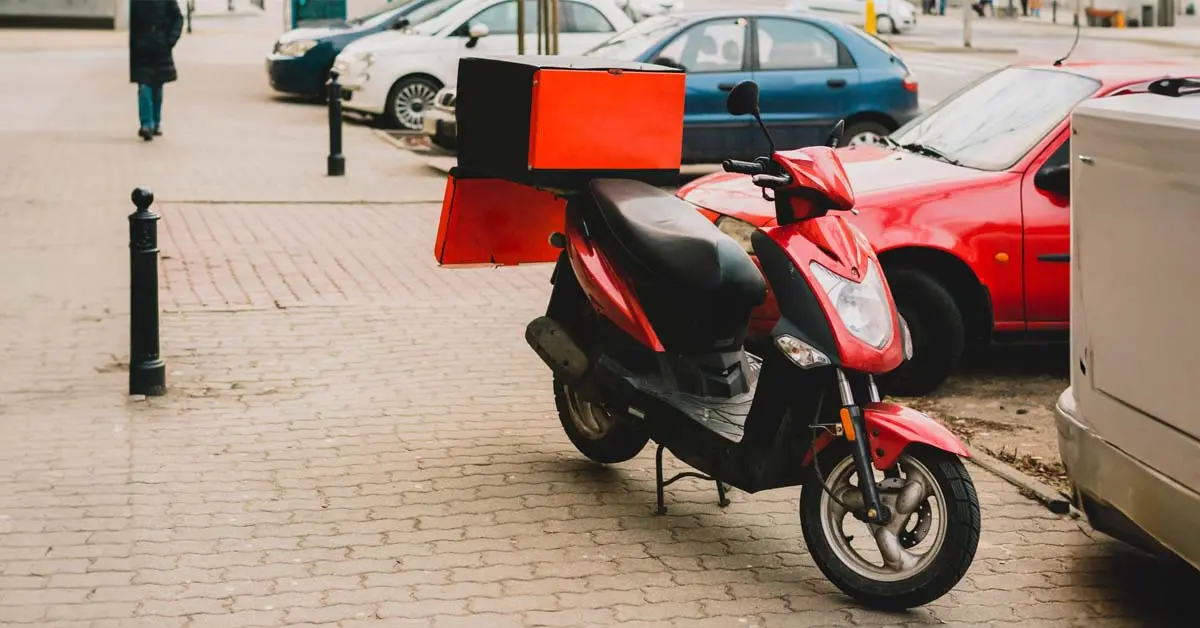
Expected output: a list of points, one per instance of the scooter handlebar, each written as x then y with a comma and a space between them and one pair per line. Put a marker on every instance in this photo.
743, 167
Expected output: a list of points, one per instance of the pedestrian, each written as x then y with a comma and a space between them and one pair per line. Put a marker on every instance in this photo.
154, 29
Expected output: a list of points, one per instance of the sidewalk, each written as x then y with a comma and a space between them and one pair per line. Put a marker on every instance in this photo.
1185, 35
353, 437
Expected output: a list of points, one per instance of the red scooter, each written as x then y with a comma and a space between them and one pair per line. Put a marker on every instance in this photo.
644, 333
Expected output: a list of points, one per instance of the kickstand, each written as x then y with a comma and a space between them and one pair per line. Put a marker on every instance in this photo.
722, 499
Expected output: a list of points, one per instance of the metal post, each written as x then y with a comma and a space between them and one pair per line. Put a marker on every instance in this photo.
191, 7
336, 163
554, 26
967, 23
1054, 12
147, 371
521, 26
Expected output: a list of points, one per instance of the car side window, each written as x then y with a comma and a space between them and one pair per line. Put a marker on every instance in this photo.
1061, 156
794, 45
501, 19
576, 17
713, 46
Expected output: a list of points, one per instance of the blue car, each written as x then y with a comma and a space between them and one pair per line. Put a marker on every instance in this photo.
300, 62
811, 71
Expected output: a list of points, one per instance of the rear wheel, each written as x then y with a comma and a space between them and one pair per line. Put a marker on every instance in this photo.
863, 132
920, 555
938, 333
603, 436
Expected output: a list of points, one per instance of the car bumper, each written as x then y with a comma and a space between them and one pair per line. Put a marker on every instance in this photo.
296, 75
1123, 497
439, 123
360, 93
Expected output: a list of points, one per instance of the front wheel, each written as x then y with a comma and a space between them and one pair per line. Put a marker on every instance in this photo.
603, 436
408, 100
915, 559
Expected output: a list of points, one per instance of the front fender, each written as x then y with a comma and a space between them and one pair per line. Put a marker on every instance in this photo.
893, 428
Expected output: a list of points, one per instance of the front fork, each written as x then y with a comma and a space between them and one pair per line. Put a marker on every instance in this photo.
854, 427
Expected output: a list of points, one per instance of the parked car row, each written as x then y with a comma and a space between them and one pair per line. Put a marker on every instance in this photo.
812, 72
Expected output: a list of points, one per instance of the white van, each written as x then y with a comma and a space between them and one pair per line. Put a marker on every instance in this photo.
1129, 425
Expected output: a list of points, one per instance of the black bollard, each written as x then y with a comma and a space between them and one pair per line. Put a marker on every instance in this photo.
336, 164
147, 371
191, 6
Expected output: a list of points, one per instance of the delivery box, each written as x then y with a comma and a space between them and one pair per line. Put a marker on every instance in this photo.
533, 130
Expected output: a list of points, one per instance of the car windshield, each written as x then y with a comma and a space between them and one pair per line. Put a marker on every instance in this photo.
371, 20
632, 43
423, 19
993, 123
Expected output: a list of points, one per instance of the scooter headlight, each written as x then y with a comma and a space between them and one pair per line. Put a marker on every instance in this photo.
863, 307
739, 230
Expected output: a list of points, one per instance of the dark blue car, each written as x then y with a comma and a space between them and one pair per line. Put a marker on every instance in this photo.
299, 64
811, 71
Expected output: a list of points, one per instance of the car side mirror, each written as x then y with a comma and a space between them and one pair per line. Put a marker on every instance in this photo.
1054, 179
400, 24
477, 32
743, 99
668, 62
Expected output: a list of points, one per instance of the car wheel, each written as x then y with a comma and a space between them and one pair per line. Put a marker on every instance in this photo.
865, 132
885, 24
938, 333
408, 101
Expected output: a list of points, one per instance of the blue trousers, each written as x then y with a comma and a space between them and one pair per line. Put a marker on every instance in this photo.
150, 105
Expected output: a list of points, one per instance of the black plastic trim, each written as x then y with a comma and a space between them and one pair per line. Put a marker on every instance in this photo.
800, 314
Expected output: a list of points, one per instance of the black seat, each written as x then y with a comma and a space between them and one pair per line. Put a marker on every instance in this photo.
675, 248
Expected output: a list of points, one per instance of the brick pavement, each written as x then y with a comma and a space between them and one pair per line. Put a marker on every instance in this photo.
353, 437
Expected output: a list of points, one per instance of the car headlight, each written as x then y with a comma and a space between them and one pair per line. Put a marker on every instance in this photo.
297, 48
863, 307
739, 230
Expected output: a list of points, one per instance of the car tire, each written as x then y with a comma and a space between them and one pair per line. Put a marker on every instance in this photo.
413, 94
938, 333
885, 24
864, 128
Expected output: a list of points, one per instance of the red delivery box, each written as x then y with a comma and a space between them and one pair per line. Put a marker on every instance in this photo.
532, 130
557, 122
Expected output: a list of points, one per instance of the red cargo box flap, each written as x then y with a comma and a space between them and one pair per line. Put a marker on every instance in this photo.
493, 221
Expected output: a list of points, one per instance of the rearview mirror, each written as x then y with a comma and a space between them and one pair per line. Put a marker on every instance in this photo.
743, 99
1054, 179
400, 24
835, 136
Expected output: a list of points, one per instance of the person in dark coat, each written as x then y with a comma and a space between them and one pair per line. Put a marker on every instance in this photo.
154, 29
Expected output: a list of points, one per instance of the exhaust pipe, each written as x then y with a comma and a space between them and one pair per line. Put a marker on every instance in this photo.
557, 349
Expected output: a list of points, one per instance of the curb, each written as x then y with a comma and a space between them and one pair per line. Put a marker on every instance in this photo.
1056, 502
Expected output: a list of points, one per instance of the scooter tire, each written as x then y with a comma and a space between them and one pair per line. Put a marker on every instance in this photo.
930, 583
623, 439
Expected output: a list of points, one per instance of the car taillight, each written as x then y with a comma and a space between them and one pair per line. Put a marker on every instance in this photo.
910, 83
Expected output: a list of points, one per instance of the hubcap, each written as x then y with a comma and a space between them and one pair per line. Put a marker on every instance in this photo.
411, 103
866, 137
592, 421
903, 548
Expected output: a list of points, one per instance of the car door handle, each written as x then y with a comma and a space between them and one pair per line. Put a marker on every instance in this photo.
1055, 257
726, 87
836, 82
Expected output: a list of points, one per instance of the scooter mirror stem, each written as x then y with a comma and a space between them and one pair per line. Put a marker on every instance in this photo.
766, 133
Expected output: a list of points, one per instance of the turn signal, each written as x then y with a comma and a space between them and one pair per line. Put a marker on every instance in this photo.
800, 353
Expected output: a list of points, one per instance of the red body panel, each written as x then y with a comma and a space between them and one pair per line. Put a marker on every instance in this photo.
893, 428
804, 242
607, 290
995, 222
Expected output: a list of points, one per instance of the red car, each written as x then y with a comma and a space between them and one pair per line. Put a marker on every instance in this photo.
968, 207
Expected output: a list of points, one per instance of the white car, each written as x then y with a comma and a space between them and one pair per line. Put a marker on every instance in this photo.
440, 124
638, 10
892, 17
397, 74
